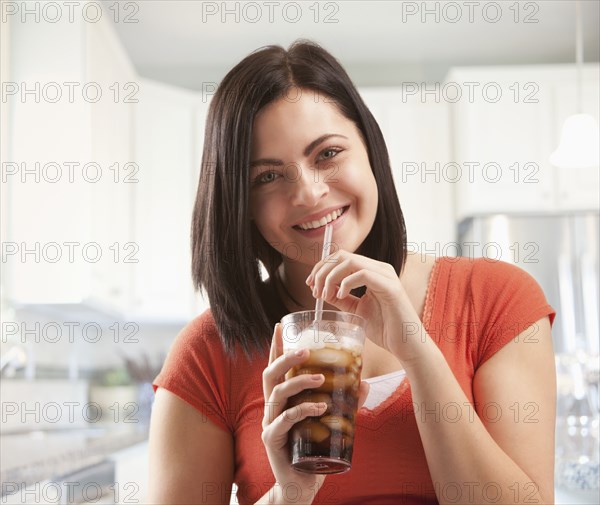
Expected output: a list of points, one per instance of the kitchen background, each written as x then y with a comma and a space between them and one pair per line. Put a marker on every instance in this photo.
103, 110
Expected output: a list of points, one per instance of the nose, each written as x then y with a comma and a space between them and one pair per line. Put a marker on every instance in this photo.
308, 187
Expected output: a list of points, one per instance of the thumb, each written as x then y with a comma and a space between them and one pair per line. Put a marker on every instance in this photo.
276, 344
278, 339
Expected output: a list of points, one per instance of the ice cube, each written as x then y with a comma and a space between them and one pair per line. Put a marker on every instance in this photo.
330, 357
311, 430
338, 423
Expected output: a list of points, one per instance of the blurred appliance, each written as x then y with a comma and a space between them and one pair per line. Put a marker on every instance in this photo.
561, 253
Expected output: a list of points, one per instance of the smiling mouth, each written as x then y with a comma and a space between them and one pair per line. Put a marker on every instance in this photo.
314, 225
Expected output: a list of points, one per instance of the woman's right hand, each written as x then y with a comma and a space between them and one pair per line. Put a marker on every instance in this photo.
278, 421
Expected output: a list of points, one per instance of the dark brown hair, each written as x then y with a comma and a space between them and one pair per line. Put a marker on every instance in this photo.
226, 245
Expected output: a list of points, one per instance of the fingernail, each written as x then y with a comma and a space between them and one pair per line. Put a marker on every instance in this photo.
309, 279
318, 377
299, 352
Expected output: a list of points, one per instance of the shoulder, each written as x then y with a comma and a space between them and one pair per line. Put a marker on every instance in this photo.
199, 330
202, 327
417, 269
497, 270
198, 340
486, 274
495, 280
494, 289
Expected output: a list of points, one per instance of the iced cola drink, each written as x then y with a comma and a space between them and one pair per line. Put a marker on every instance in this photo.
323, 444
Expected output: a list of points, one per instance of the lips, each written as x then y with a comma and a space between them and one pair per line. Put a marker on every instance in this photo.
318, 217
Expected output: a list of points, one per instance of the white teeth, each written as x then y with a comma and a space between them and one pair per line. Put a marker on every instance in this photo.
324, 220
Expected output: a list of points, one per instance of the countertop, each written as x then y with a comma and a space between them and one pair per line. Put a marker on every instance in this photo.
34, 456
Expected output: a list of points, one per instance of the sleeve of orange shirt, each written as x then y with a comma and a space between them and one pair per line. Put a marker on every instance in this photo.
506, 301
195, 367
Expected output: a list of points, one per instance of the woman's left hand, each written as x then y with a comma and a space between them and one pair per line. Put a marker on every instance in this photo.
392, 322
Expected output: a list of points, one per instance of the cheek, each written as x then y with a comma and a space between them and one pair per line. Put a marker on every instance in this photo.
371, 190
363, 185
361, 181
265, 213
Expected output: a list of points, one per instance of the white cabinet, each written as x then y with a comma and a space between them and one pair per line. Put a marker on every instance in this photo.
64, 209
418, 143
112, 151
505, 125
100, 184
166, 141
47, 211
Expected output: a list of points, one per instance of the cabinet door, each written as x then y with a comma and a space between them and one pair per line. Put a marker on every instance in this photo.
164, 150
509, 141
502, 147
112, 155
47, 221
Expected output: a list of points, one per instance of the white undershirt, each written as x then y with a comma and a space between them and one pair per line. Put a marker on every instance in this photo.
382, 387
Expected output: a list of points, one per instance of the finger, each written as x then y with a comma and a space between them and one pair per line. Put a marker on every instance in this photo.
377, 284
333, 279
274, 373
331, 275
346, 304
281, 425
328, 276
332, 259
281, 393
323, 267
360, 261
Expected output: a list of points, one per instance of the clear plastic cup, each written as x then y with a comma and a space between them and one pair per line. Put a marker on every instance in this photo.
323, 444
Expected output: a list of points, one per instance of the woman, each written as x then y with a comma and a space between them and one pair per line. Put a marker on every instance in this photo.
288, 142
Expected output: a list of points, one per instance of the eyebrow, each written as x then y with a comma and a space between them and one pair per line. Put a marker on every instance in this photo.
307, 150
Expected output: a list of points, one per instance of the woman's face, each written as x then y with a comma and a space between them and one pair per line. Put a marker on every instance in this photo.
308, 161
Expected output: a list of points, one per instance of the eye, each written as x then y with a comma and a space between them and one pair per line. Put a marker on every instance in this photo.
264, 178
329, 153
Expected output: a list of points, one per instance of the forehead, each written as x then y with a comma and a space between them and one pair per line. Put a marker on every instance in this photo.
299, 116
